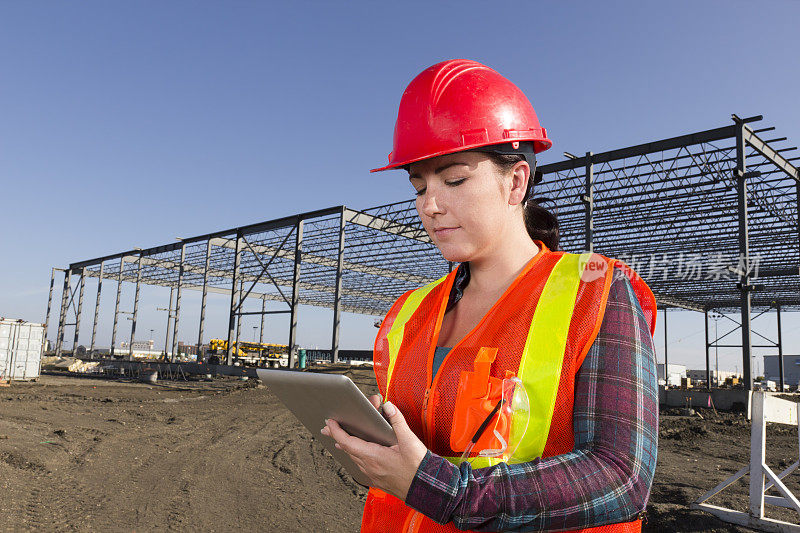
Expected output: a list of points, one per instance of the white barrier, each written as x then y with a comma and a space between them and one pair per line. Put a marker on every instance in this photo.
764, 409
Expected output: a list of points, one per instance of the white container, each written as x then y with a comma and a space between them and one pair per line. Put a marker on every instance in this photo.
20, 349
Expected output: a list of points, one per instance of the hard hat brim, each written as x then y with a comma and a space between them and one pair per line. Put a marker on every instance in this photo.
540, 145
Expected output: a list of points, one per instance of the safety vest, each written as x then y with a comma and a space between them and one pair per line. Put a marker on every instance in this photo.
541, 327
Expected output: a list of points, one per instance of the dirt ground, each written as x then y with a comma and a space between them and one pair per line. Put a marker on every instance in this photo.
82, 454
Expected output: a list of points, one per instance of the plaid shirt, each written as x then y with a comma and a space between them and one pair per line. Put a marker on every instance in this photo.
605, 479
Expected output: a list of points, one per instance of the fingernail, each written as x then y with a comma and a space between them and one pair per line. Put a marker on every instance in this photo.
337, 446
389, 409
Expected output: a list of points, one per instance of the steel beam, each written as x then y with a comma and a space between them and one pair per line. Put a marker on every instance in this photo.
203, 300
234, 299
588, 201
671, 301
243, 230
176, 323
135, 315
708, 358
283, 282
387, 226
271, 296
767, 151
261, 313
666, 352
49, 307
167, 353
337, 312
744, 252
97, 307
238, 313
780, 350
298, 250
263, 318
717, 134
78, 312
316, 259
62, 317
116, 306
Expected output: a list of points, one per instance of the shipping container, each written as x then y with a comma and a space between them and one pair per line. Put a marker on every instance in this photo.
20, 349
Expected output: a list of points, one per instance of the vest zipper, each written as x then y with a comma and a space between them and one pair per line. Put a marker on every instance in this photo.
412, 524
425, 417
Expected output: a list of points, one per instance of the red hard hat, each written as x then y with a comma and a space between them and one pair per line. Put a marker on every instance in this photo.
461, 105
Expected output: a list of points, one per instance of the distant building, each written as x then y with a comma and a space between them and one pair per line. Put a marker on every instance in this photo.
673, 378
791, 369
699, 374
188, 349
146, 346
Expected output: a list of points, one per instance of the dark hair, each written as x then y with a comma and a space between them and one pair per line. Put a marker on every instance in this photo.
542, 225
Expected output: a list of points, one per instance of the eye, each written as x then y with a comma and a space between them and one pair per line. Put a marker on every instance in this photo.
420, 192
456, 183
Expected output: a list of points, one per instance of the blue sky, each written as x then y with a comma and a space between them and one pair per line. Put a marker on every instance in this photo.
131, 123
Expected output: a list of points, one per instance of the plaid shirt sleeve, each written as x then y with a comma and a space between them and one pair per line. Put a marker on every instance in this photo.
605, 479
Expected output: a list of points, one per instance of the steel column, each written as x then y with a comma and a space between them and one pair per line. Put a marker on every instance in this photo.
666, 354
708, 358
116, 305
298, 250
178, 303
203, 300
588, 202
97, 307
167, 354
79, 311
62, 317
780, 351
744, 253
234, 298
49, 307
337, 292
239, 313
263, 316
135, 307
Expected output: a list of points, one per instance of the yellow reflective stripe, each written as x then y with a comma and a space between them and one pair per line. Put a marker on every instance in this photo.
395, 335
478, 462
542, 358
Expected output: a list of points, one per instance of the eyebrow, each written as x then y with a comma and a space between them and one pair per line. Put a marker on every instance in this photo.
438, 170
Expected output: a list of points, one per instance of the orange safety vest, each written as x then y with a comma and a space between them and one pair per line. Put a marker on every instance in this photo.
542, 327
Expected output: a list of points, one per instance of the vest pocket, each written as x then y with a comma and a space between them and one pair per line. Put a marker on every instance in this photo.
480, 424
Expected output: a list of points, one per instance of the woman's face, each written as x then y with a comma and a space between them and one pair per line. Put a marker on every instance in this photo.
465, 203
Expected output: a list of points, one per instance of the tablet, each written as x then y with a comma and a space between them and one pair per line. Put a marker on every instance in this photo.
314, 397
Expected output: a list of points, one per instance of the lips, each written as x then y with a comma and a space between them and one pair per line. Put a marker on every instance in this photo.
440, 232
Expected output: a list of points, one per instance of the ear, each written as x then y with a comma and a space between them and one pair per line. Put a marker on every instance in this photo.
520, 174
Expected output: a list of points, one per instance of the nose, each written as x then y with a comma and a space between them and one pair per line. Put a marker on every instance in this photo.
430, 205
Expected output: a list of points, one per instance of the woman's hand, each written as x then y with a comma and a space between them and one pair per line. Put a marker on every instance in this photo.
391, 469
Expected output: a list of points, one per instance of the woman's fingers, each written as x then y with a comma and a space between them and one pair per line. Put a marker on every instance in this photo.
391, 469
350, 444
376, 401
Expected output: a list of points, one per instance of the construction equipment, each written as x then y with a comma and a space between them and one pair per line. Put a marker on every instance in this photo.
252, 353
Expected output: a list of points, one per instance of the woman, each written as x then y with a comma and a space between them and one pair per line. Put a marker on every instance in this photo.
522, 385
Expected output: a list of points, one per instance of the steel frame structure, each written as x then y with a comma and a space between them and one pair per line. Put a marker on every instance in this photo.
335, 257
711, 220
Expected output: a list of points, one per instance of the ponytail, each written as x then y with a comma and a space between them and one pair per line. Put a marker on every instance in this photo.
542, 225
